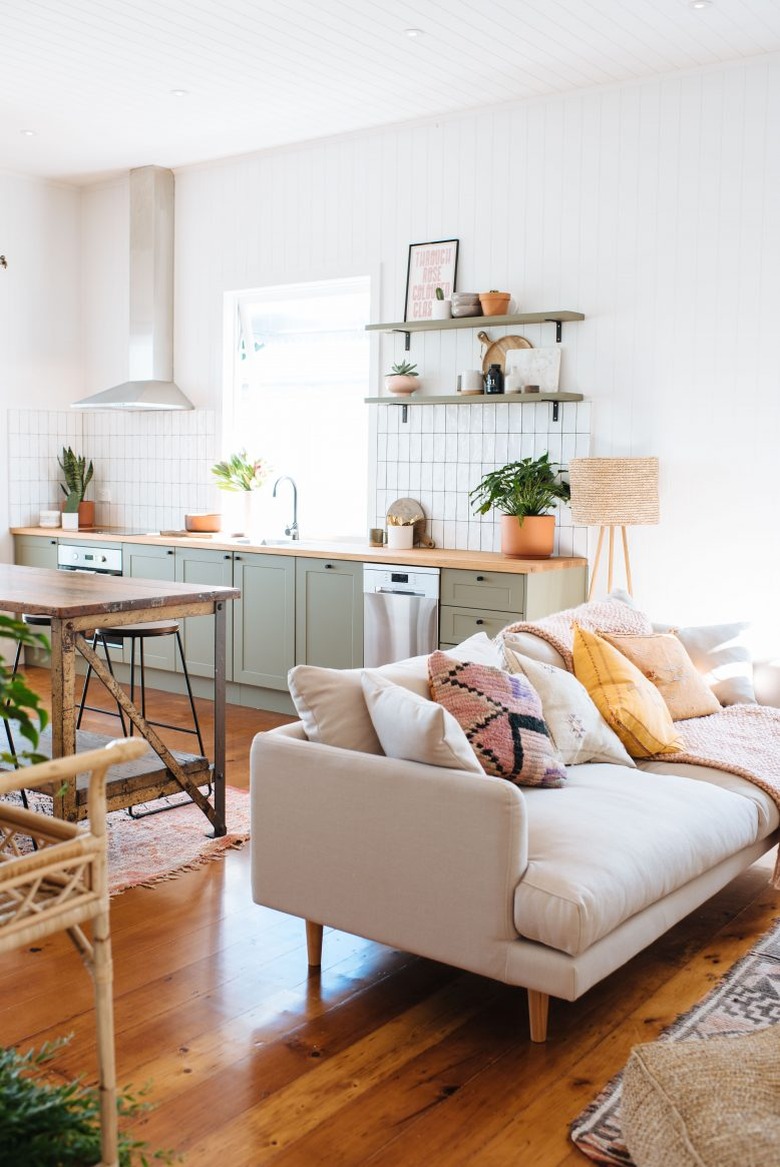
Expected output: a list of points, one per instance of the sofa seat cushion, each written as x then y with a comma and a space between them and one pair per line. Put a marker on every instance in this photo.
768, 813
612, 841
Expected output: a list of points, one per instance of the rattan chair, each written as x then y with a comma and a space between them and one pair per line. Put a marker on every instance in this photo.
61, 885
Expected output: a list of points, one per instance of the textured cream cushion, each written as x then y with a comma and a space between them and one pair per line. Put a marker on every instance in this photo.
628, 702
415, 728
721, 654
331, 705
589, 868
578, 731
534, 647
663, 659
705, 1103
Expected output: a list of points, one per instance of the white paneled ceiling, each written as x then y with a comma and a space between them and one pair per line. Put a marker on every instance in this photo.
93, 79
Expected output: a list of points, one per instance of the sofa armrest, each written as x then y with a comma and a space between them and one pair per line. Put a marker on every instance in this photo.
418, 857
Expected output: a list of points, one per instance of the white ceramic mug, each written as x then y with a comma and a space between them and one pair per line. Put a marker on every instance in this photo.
471, 380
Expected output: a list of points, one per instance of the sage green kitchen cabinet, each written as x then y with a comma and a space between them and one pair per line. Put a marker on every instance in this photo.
35, 551
147, 561
486, 601
263, 619
329, 613
195, 565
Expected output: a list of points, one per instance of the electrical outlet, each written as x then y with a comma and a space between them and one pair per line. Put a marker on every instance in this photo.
104, 494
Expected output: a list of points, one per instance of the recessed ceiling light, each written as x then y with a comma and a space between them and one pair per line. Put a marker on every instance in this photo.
180, 93
27, 133
699, 3
413, 32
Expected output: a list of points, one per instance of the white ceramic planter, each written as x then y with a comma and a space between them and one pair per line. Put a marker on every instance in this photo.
441, 309
70, 520
400, 538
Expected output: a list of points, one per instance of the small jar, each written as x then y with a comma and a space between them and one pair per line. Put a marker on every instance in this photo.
494, 380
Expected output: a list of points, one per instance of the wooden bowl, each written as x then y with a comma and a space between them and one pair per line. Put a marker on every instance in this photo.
204, 523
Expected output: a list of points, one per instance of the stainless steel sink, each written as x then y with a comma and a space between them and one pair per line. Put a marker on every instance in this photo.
276, 542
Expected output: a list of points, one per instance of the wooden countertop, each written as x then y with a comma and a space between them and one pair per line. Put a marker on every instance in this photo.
325, 549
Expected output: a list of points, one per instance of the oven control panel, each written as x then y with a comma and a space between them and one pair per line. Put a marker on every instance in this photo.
105, 560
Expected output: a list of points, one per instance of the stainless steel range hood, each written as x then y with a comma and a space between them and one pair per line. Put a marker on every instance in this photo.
150, 366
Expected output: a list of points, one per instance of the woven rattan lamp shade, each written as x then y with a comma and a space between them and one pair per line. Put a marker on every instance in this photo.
614, 492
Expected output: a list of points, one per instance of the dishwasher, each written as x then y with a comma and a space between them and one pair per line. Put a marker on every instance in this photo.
400, 612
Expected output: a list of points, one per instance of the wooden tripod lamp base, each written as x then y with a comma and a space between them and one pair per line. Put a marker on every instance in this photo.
611, 561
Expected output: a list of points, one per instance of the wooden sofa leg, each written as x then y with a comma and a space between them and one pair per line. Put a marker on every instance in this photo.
314, 943
538, 1005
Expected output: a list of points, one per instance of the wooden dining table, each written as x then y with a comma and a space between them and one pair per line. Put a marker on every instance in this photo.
78, 603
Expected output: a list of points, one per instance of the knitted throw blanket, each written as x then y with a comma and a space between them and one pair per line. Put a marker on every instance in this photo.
742, 739
610, 616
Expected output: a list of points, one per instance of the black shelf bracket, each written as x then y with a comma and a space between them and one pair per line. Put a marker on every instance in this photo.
404, 410
558, 330
555, 405
407, 339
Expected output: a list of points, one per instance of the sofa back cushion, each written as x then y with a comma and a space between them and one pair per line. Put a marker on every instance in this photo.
501, 715
628, 702
331, 705
664, 661
415, 728
721, 654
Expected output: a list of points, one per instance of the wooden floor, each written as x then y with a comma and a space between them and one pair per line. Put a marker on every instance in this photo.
383, 1059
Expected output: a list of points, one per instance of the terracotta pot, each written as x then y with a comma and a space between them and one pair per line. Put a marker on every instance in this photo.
203, 522
528, 538
401, 384
86, 515
494, 303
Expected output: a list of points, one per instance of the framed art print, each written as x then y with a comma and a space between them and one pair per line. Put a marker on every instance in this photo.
431, 266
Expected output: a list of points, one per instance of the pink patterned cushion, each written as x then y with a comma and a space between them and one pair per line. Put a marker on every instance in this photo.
501, 716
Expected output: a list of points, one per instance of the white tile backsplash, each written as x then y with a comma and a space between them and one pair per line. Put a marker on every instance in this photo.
155, 466
458, 445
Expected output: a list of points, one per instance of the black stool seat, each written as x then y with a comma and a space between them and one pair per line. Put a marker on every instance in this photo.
141, 631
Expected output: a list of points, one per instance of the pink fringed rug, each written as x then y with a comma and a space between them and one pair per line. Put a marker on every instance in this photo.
145, 851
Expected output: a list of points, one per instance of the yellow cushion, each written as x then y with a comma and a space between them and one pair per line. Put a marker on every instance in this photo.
627, 701
664, 661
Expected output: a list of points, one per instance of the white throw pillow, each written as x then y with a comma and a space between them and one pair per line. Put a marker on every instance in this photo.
533, 647
331, 705
578, 731
416, 729
721, 654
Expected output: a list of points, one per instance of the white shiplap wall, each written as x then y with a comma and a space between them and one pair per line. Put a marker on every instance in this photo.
648, 206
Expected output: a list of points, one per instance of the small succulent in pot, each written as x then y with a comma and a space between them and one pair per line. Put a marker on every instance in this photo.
441, 308
402, 380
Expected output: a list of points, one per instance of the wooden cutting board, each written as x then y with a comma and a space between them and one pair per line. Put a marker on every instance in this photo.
496, 350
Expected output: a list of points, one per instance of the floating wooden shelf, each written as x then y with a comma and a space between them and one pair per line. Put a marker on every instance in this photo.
474, 399
557, 316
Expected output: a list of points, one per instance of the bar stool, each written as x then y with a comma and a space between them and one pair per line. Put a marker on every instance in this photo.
137, 634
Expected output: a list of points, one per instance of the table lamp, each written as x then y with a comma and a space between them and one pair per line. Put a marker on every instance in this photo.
614, 492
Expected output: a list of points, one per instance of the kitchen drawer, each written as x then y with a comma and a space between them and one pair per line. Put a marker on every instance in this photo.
496, 591
457, 624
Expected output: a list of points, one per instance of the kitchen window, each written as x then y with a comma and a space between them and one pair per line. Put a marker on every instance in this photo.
300, 372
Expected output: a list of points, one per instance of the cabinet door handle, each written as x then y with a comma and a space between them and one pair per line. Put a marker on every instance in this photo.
480, 579
238, 557
328, 566
53, 542
227, 556
169, 551
479, 621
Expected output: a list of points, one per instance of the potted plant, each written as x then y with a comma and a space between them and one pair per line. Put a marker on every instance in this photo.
523, 492
243, 475
494, 303
402, 380
441, 309
78, 475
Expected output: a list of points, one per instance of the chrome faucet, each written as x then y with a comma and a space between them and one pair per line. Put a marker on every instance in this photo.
292, 530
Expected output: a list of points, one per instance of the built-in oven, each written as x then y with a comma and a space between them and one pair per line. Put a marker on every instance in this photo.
92, 560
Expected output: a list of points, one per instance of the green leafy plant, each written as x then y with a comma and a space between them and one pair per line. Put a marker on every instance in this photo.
238, 473
78, 475
440, 293
46, 1123
18, 702
403, 369
528, 487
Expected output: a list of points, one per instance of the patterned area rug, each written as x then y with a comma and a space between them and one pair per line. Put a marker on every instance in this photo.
145, 851
746, 999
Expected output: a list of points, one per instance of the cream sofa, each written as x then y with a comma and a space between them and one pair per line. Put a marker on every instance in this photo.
548, 889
